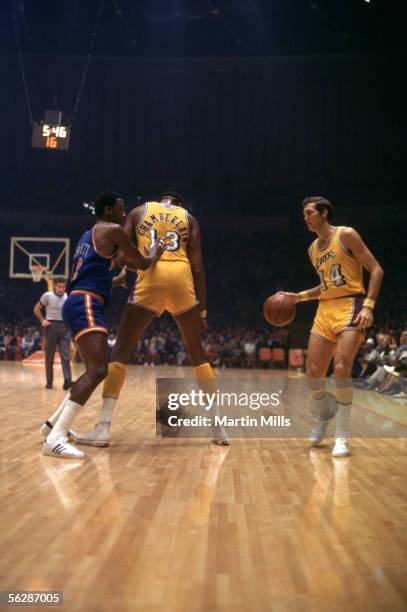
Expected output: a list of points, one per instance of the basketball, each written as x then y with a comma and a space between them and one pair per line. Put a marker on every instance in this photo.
279, 310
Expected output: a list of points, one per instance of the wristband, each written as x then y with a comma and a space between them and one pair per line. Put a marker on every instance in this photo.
369, 303
304, 296
202, 314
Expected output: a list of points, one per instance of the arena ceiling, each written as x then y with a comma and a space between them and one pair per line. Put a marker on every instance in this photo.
194, 28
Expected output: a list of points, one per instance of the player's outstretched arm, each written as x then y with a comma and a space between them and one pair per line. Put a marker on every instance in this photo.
197, 267
304, 296
354, 243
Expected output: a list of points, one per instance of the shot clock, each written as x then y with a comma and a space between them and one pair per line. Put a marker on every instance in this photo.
51, 134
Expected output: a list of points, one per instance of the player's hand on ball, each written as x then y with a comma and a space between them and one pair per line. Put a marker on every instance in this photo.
292, 296
364, 318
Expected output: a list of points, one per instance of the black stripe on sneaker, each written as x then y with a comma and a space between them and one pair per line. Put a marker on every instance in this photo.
58, 448
49, 424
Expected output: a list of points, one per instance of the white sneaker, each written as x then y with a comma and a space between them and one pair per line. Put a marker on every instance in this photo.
341, 448
47, 427
62, 449
318, 433
220, 436
99, 436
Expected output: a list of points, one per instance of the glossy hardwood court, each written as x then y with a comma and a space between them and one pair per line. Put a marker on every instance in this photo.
181, 525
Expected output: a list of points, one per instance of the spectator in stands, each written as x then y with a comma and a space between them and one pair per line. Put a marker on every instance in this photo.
250, 351
361, 360
381, 359
378, 356
9, 344
27, 343
153, 356
395, 375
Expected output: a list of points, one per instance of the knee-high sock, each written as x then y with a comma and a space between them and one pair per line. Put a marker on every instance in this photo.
111, 389
64, 422
205, 378
320, 408
344, 396
54, 417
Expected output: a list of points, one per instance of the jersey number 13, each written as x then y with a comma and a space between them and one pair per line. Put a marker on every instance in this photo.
172, 239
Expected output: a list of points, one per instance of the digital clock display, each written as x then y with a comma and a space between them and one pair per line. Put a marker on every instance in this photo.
47, 136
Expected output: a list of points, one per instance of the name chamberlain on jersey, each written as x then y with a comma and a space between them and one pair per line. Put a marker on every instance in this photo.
179, 225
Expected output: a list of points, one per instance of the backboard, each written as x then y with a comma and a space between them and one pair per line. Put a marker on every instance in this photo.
28, 253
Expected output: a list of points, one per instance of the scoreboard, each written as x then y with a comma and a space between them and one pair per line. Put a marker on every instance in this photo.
48, 136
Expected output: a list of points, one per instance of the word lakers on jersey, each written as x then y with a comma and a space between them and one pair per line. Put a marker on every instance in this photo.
342, 290
168, 284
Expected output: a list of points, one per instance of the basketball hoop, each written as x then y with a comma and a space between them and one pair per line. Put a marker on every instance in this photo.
37, 272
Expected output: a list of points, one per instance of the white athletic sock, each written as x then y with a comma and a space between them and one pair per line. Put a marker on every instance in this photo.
64, 421
54, 417
343, 417
107, 409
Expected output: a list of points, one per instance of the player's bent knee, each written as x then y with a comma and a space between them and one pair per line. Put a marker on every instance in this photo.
342, 369
121, 354
98, 374
313, 370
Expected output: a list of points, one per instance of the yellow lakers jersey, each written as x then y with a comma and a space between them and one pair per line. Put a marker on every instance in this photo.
339, 272
169, 223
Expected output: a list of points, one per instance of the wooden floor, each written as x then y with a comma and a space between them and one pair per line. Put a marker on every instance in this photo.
181, 525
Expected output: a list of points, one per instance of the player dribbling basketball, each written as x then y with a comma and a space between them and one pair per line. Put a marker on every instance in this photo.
338, 255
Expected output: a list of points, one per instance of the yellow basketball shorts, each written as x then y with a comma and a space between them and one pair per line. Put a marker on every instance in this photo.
335, 316
167, 285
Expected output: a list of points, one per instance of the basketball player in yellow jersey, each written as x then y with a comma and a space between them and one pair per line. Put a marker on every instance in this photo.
176, 284
338, 255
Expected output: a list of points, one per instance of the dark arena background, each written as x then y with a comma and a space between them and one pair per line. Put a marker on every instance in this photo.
245, 107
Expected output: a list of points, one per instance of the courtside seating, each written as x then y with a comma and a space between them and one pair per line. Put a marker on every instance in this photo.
18, 349
264, 357
278, 357
296, 358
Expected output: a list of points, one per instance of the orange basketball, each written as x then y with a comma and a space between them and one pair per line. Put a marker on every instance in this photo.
279, 310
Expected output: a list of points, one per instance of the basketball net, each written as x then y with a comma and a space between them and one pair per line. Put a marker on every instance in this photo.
37, 272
